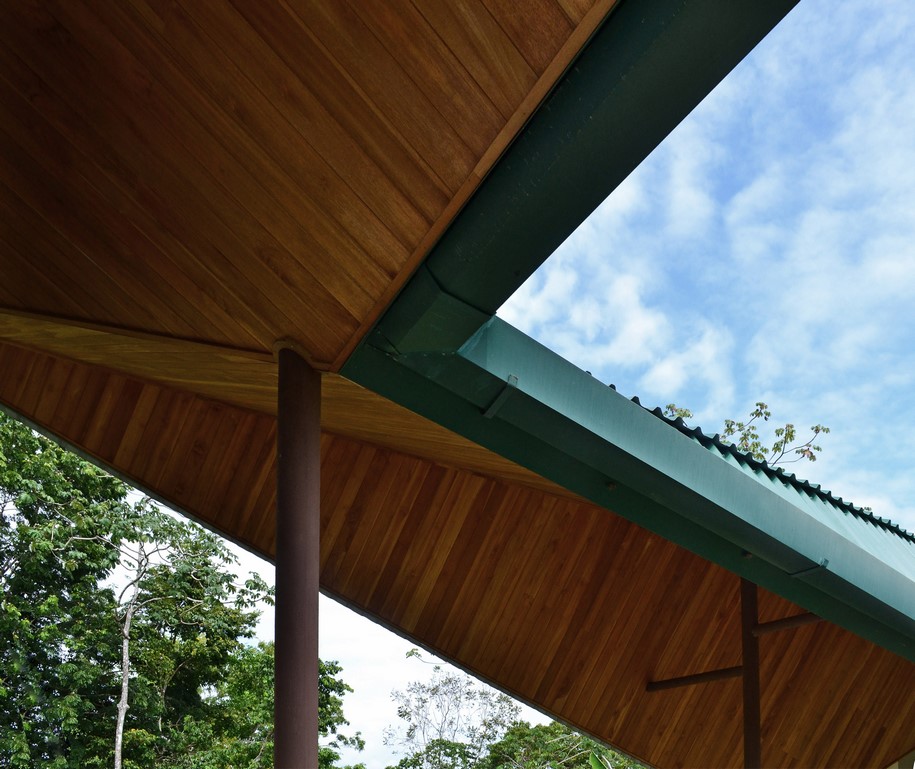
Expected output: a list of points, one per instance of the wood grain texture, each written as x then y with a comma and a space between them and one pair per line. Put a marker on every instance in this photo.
559, 602
184, 184
247, 380
238, 174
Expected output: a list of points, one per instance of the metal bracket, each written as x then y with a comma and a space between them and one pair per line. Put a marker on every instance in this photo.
806, 572
510, 386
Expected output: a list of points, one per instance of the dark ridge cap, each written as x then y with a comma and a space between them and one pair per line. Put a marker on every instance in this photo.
800, 485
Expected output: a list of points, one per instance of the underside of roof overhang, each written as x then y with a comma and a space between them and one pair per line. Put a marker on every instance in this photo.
183, 187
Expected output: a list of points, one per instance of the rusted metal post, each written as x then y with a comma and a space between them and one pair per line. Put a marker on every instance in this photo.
297, 561
752, 738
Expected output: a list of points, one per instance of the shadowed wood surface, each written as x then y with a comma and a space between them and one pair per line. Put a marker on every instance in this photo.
559, 602
184, 185
239, 174
248, 380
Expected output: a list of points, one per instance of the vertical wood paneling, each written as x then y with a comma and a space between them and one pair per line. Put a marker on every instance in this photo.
534, 26
402, 568
437, 72
481, 45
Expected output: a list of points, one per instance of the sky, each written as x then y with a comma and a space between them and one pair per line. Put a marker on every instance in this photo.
765, 251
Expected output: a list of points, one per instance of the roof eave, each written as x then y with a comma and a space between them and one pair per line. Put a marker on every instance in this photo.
514, 396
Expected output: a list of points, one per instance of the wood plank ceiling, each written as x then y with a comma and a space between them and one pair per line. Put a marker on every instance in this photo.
558, 601
241, 174
183, 185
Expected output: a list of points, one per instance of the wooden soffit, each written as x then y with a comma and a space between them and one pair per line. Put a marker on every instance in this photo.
238, 174
184, 185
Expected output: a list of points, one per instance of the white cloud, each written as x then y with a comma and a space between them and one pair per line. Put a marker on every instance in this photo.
705, 359
800, 295
767, 250
691, 207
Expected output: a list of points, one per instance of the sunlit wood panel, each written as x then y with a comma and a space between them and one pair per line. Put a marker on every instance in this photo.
561, 603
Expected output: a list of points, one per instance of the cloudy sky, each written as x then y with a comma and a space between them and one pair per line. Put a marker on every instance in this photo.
766, 251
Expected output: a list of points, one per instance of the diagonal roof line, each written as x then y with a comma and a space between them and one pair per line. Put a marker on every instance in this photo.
779, 473
587, 136
567, 426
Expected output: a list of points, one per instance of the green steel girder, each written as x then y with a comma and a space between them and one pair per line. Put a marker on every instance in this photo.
439, 351
642, 72
563, 424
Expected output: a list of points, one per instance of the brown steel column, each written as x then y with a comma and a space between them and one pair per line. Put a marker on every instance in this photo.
752, 740
297, 562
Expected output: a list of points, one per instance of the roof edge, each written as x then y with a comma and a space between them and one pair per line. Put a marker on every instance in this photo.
514, 396
779, 473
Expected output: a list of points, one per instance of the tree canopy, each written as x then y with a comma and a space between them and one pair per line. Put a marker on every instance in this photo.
125, 629
452, 721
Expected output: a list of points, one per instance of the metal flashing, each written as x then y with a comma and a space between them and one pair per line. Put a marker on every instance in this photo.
789, 478
590, 133
567, 426
439, 351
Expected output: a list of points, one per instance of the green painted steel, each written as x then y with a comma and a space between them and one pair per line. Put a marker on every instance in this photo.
439, 352
643, 71
562, 423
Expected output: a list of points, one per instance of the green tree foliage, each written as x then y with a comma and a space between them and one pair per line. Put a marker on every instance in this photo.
180, 618
118, 619
330, 716
57, 693
453, 722
235, 729
782, 447
553, 746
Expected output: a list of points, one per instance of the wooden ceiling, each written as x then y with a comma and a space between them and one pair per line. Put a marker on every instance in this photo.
184, 185
554, 599
241, 174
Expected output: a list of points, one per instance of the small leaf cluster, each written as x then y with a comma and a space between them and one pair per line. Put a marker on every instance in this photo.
782, 447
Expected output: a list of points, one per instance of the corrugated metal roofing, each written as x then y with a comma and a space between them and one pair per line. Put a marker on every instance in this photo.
879, 536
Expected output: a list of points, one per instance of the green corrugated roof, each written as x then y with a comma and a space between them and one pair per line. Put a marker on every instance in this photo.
514, 396
880, 536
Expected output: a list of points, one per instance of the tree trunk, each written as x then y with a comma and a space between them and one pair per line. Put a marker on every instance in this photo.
125, 676
125, 684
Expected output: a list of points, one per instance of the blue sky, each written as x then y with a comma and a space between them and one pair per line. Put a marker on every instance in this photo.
766, 251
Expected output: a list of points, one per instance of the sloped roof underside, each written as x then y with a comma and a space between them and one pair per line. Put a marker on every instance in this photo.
184, 186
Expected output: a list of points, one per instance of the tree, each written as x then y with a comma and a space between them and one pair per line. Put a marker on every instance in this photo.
454, 722
449, 721
123, 629
552, 745
180, 617
236, 730
781, 448
57, 694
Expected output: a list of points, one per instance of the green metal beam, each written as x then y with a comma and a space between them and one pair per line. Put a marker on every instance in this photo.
439, 352
643, 71
563, 424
